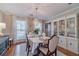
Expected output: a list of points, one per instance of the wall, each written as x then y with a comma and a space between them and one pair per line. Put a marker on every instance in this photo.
0, 16
7, 19
30, 22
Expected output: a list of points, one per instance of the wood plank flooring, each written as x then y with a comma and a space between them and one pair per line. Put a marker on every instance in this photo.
13, 50
10, 51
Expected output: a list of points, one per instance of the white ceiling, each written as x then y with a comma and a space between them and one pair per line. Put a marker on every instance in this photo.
45, 10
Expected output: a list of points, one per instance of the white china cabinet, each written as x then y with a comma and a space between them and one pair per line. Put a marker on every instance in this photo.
67, 28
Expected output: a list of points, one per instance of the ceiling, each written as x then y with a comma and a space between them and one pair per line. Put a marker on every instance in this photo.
45, 10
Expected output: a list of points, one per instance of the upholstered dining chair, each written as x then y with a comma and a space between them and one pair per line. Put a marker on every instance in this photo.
52, 47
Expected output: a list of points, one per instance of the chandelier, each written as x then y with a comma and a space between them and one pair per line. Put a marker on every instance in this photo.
36, 10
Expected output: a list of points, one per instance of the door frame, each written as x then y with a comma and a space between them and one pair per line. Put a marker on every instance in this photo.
46, 28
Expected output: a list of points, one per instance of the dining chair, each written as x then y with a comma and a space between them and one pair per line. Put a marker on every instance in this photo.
52, 47
44, 44
27, 45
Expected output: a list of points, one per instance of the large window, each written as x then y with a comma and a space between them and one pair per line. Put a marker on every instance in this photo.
20, 29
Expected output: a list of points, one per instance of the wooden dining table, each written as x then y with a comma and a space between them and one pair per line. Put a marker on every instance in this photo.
36, 41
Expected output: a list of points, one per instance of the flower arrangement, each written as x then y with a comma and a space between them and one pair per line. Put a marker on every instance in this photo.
36, 31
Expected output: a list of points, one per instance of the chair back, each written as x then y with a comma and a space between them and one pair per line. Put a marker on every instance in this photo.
53, 42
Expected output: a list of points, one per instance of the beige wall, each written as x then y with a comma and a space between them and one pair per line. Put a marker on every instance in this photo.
0, 16
7, 19
30, 22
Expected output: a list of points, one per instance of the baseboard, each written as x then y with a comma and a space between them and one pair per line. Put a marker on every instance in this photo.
67, 52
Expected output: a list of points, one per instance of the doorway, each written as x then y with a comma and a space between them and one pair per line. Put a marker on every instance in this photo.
48, 29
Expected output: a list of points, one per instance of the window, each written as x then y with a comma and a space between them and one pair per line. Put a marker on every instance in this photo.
21, 29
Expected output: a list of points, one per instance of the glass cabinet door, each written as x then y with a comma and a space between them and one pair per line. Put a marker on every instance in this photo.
71, 27
55, 27
62, 27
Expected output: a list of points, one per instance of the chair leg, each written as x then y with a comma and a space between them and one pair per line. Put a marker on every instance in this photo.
26, 48
56, 52
38, 52
27, 52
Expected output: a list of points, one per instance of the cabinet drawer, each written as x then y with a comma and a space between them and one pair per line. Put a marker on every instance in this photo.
62, 42
72, 45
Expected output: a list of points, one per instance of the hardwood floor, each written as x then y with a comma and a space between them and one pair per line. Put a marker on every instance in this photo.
10, 51
20, 50
13, 50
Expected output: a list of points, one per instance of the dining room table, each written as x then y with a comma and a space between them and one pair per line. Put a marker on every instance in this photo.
36, 41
